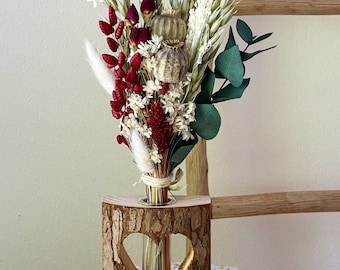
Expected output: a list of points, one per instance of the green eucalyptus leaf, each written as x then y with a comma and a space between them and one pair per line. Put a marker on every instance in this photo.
208, 80
208, 121
203, 97
260, 38
207, 87
246, 56
181, 150
230, 92
228, 65
231, 40
244, 31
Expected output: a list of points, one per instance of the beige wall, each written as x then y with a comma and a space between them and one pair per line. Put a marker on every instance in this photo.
58, 155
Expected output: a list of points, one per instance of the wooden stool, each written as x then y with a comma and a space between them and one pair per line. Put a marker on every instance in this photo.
189, 216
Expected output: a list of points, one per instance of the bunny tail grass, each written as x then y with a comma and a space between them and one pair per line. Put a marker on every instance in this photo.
102, 73
140, 153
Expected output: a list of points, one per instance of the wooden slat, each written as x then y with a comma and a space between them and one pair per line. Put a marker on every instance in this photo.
276, 203
197, 170
288, 7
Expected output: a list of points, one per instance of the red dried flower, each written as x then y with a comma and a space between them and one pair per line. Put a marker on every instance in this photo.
116, 115
112, 16
128, 110
132, 17
121, 139
131, 76
116, 105
119, 96
113, 45
106, 28
116, 109
120, 29
138, 35
120, 85
136, 60
161, 130
137, 88
119, 73
110, 60
165, 88
147, 6
121, 59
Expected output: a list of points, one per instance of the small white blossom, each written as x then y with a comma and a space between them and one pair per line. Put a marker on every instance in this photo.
168, 107
149, 63
137, 103
125, 130
155, 156
145, 131
186, 135
191, 108
151, 87
157, 40
143, 49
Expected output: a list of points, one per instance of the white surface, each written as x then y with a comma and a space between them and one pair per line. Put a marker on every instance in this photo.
58, 155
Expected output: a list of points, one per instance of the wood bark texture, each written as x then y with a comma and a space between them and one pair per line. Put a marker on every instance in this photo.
189, 216
276, 203
288, 7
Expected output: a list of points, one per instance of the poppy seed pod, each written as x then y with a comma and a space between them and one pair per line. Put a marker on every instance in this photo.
169, 25
172, 63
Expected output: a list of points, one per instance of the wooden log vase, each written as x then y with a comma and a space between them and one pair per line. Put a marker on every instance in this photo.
188, 215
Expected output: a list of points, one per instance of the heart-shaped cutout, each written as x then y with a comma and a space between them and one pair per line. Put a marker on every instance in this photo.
133, 250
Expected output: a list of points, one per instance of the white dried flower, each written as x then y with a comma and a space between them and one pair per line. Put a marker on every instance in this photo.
151, 87
157, 40
168, 107
155, 156
187, 135
137, 103
144, 49
149, 64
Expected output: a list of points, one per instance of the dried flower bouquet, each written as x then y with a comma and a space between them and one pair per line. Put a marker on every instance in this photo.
158, 72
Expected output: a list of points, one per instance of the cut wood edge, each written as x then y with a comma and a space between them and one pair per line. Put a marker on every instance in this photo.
288, 7
276, 203
124, 256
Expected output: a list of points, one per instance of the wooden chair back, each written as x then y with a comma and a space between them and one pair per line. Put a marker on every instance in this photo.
267, 203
